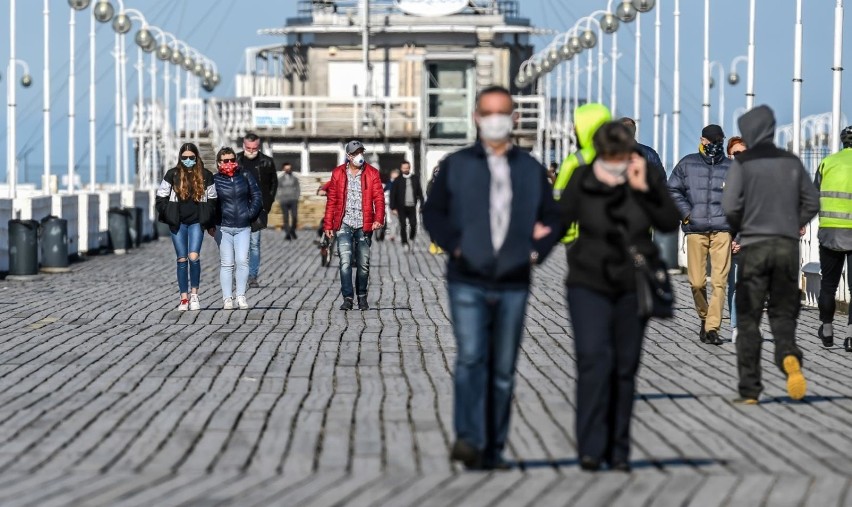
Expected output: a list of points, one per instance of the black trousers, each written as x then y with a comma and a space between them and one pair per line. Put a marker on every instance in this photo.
407, 214
769, 268
608, 340
831, 267
290, 210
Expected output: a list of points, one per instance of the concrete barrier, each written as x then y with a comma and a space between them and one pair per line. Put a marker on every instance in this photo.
88, 214
6, 214
67, 207
106, 200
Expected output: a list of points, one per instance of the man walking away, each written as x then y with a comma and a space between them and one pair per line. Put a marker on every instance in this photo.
492, 209
406, 194
768, 199
652, 158
834, 182
696, 186
262, 167
289, 192
355, 208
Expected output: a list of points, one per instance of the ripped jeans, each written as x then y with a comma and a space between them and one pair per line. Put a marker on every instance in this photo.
354, 244
187, 241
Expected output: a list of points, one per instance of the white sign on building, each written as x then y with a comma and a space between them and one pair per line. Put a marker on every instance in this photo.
271, 116
431, 8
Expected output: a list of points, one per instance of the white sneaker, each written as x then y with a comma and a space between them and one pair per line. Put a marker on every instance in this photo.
183, 306
243, 304
194, 304
734, 335
229, 304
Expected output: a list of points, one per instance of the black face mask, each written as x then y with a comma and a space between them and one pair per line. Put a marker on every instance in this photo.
713, 150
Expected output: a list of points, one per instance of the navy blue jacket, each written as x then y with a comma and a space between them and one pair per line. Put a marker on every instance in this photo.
696, 186
651, 157
240, 199
456, 215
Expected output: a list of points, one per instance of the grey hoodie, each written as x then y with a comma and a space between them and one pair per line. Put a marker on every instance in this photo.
767, 191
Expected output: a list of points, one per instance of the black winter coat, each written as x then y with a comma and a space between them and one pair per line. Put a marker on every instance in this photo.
239, 200
262, 168
397, 191
696, 186
168, 207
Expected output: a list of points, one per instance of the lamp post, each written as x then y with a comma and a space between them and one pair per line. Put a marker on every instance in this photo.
11, 108
676, 87
837, 70
750, 71
76, 5
102, 12
657, 26
705, 107
797, 81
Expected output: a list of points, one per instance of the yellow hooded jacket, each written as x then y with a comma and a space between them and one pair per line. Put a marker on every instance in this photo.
588, 118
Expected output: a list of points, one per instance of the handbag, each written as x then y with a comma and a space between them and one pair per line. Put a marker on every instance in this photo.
653, 287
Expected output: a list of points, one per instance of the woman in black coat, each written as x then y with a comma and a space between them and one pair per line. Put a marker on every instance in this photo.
616, 200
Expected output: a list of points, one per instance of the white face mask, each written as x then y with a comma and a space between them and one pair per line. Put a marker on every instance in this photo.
251, 155
616, 170
358, 160
496, 127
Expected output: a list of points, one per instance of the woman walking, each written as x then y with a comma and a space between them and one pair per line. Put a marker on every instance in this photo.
616, 200
239, 205
186, 202
735, 145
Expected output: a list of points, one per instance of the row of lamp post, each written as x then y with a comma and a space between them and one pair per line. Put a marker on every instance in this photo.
163, 46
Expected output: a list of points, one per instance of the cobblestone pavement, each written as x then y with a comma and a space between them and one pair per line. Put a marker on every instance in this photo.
110, 397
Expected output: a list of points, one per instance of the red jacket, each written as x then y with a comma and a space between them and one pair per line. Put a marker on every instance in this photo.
372, 198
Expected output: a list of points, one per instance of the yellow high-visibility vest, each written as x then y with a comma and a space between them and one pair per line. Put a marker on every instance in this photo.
835, 190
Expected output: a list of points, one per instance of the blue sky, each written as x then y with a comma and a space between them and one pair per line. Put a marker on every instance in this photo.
222, 29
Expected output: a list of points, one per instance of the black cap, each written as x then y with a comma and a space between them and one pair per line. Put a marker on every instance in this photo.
713, 133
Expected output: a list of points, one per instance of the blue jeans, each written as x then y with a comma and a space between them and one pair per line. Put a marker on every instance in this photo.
488, 326
187, 240
233, 250
254, 254
733, 275
354, 244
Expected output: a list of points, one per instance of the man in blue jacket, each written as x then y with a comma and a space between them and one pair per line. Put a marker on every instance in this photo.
696, 186
491, 209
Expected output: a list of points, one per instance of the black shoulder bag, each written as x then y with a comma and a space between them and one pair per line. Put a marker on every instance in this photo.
653, 285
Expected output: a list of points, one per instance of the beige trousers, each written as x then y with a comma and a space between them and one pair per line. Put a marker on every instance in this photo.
718, 246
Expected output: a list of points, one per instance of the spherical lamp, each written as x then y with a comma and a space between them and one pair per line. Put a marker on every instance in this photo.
122, 24
103, 11
79, 5
626, 12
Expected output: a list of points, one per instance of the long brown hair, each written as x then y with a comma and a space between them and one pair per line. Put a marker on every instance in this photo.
190, 181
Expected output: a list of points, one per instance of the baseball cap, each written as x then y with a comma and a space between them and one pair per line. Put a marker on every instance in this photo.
353, 146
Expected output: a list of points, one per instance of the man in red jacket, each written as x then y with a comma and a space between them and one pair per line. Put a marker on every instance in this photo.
355, 208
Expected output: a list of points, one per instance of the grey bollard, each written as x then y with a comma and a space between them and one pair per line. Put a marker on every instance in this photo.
667, 243
134, 221
163, 230
118, 227
54, 245
23, 250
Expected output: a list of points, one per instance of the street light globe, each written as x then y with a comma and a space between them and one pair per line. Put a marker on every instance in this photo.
79, 5
626, 12
177, 57
143, 38
198, 69
588, 39
188, 63
520, 81
643, 5
553, 56
609, 23
26, 80
733, 78
208, 74
164, 52
207, 85
546, 65
152, 45
567, 52
712, 82
576, 45
103, 11
122, 23
215, 79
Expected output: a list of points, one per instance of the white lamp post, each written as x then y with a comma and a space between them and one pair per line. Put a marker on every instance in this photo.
837, 70
676, 87
76, 5
657, 26
11, 109
750, 71
705, 107
797, 81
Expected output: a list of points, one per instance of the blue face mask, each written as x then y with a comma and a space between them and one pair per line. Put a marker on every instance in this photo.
188, 163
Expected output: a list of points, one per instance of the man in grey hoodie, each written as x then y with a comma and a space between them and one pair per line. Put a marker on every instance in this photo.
288, 195
768, 199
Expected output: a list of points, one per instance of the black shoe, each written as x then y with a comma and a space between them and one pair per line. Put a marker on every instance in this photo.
467, 454
712, 338
288, 237
590, 464
347, 304
827, 341
252, 283
702, 334
621, 466
497, 463
362, 303
847, 344
293, 235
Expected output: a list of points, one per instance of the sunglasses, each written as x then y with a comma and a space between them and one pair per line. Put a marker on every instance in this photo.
224, 160
191, 157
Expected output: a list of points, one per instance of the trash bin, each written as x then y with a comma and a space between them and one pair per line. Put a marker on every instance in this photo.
23, 249
134, 217
118, 225
54, 245
163, 230
667, 243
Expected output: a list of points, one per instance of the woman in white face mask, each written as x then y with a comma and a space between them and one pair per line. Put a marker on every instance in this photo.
616, 201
